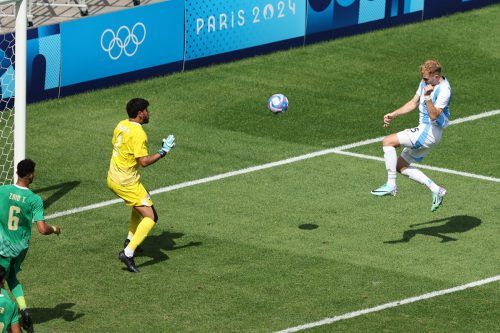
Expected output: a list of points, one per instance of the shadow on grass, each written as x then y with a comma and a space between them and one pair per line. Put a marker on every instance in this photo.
308, 226
155, 245
42, 315
62, 190
454, 224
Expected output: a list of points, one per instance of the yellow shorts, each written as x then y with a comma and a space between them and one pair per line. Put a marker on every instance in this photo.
133, 195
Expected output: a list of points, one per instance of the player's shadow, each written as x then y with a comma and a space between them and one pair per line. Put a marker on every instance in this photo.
63, 310
453, 224
61, 190
155, 245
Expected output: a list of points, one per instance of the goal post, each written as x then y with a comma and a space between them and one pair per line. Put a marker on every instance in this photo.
13, 57
20, 83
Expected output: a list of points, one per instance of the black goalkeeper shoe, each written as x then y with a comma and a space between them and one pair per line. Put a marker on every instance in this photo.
128, 261
27, 322
139, 249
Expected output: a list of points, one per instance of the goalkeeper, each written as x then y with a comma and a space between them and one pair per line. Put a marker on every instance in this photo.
20, 207
130, 151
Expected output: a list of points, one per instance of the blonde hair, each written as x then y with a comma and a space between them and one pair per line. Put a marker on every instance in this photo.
431, 66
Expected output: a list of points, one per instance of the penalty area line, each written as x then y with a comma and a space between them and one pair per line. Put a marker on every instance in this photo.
394, 304
336, 150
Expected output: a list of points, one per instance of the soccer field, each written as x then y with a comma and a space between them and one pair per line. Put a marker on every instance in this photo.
267, 222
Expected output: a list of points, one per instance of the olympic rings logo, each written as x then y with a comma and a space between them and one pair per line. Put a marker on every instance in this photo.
124, 41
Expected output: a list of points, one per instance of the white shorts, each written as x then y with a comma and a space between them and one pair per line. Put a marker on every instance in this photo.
418, 141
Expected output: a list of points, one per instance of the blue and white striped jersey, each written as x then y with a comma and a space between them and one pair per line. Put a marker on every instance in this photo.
441, 97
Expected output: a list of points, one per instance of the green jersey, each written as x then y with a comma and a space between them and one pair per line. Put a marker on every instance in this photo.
19, 209
8, 313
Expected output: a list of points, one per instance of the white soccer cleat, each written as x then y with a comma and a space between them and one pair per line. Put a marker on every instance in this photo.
437, 199
385, 189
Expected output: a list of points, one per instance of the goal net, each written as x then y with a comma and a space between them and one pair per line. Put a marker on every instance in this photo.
7, 107
13, 94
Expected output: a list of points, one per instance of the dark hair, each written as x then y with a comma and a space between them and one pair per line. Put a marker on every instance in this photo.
135, 105
25, 167
2, 273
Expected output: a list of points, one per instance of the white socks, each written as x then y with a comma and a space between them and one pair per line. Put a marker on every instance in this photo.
391, 160
128, 252
418, 176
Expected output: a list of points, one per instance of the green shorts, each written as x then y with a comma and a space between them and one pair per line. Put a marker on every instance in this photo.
13, 263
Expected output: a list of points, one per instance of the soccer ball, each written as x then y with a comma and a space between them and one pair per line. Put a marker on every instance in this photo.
277, 103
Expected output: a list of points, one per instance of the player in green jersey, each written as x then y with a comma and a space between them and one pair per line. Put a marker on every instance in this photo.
9, 317
19, 209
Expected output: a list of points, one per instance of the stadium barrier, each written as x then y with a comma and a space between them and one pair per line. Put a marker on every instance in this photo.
175, 35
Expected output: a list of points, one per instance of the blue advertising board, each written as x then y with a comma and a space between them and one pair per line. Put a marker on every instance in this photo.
7, 86
436, 8
216, 27
107, 49
333, 17
43, 65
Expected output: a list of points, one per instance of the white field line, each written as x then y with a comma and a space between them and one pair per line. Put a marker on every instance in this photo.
336, 150
475, 117
423, 166
394, 304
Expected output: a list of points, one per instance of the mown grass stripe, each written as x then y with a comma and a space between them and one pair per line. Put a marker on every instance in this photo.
389, 305
336, 150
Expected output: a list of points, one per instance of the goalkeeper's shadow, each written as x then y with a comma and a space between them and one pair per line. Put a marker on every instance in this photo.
155, 245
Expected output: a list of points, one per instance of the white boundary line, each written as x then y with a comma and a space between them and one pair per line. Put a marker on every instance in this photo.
394, 304
336, 150
423, 166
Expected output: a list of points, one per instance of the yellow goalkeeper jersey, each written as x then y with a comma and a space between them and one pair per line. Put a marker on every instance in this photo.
129, 143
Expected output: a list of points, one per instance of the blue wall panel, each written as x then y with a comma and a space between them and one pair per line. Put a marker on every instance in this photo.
7, 43
319, 16
345, 13
121, 46
371, 10
328, 19
436, 8
219, 27
43, 63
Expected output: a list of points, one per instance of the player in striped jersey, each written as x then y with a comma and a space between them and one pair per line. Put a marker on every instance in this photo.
433, 100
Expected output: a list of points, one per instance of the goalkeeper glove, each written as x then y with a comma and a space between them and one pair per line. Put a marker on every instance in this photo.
168, 144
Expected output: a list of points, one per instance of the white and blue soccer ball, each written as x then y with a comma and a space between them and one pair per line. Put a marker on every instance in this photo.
277, 103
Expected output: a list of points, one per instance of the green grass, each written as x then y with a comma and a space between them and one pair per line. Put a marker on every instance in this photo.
230, 255
446, 312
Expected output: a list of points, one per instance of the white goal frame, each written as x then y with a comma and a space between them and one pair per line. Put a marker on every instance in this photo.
20, 83
20, 60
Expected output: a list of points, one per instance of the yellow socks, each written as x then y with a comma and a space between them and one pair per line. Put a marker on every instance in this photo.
135, 219
141, 233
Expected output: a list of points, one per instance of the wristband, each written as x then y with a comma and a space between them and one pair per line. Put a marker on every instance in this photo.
427, 97
162, 153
